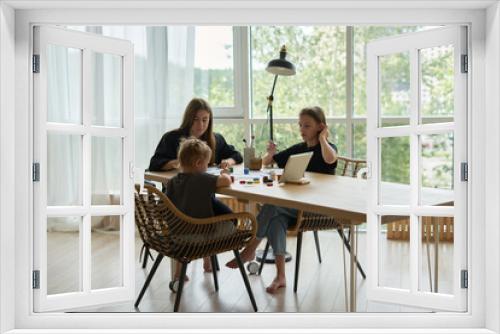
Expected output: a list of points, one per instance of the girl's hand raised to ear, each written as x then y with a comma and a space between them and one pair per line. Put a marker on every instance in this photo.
271, 148
323, 135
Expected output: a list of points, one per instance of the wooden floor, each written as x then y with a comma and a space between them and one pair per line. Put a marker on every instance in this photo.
321, 286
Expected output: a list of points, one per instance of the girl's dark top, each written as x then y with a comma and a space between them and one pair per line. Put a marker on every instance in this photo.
169, 146
317, 164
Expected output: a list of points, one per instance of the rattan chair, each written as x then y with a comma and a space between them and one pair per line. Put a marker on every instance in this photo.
173, 234
145, 251
308, 221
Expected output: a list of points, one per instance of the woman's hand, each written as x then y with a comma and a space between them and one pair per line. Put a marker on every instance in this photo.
267, 159
172, 164
271, 148
226, 163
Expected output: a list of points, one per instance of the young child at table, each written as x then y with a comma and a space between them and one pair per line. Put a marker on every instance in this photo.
192, 190
273, 221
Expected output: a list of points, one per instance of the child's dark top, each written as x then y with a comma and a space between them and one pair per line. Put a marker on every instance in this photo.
193, 193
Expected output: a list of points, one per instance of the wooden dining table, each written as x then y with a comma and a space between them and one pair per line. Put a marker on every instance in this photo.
343, 197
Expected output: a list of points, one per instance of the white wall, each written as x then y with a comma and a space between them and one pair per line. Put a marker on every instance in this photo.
492, 210
7, 160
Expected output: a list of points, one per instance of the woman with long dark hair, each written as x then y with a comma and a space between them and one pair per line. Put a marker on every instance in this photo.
197, 122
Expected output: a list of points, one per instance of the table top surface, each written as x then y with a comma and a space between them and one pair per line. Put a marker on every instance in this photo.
343, 196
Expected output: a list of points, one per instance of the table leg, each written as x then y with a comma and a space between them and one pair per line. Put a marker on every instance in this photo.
427, 227
252, 208
352, 289
436, 253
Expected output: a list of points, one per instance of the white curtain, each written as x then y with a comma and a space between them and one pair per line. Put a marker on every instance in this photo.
164, 76
164, 80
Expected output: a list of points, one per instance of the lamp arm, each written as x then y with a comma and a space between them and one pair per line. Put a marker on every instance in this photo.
270, 99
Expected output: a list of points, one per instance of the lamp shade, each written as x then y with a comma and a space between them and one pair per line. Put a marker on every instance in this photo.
281, 66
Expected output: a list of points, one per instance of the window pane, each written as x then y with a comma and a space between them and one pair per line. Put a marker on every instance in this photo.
394, 86
106, 252
319, 57
338, 137
107, 89
437, 169
233, 133
63, 254
394, 252
359, 141
64, 169
437, 84
64, 84
395, 170
106, 171
436, 249
213, 63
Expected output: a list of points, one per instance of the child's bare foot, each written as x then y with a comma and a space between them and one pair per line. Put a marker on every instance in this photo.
207, 265
177, 276
246, 255
276, 284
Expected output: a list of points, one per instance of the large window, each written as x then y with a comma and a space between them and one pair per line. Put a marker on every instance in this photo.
320, 54
173, 64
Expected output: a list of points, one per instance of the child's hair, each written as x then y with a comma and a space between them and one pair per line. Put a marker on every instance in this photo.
315, 113
191, 150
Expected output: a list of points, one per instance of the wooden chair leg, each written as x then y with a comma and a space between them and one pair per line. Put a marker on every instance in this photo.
148, 279
348, 246
316, 241
245, 279
263, 259
213, 259
181, 286
297, 261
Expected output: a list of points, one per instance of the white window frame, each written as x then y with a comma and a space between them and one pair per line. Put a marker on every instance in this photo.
412, 44
86, 43
240, 61
483, 125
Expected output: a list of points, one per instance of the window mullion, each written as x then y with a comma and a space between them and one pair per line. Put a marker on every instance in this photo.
349, 46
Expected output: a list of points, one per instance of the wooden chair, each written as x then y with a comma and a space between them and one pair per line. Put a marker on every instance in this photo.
307, 221
171, 233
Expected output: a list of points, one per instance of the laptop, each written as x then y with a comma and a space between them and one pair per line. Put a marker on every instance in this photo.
295, 167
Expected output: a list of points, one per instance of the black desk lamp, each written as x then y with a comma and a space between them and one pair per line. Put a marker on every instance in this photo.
279, 66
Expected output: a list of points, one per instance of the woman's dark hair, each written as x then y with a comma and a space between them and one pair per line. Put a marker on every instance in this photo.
192, 109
